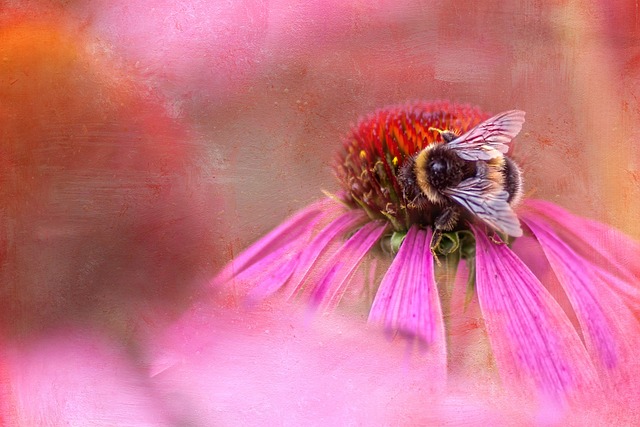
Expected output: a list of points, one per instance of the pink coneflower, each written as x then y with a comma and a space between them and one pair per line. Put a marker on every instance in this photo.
559, 306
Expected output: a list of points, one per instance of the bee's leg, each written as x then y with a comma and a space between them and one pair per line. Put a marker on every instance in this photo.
406, 179
501, 239
436, 238
419, 202
446, 221
448, 218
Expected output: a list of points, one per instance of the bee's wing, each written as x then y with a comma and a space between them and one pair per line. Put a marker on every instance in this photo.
487, 201
490, 138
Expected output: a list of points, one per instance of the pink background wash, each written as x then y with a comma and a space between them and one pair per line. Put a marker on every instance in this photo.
145, 143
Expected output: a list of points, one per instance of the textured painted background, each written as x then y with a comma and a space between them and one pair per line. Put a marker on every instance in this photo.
143, 143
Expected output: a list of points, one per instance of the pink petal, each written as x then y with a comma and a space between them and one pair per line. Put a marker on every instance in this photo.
528, 249
313, 253
407, 301
534, 343
594, 241
296, 230
629, 292
610, 330
269, 273
340, 268
361, 290
610, 253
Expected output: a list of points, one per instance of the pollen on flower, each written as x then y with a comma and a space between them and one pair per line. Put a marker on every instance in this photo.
384, 141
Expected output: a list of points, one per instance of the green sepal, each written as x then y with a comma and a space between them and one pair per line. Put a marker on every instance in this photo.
467, 244
396, 240
390, 243
449, 243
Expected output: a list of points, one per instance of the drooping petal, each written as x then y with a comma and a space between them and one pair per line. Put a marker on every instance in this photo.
313, 253
294, 231
603, 245
269, 273
293, 263
328, 290
534, 343
407, 301
629, 292
614, 256
364, 282
610, 330
528, 250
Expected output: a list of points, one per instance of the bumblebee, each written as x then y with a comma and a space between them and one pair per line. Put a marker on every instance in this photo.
467, 176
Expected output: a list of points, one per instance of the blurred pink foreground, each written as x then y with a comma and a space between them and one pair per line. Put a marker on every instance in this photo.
138, 147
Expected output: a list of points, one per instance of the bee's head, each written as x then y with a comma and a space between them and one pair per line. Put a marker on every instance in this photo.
442, 168
438, 166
